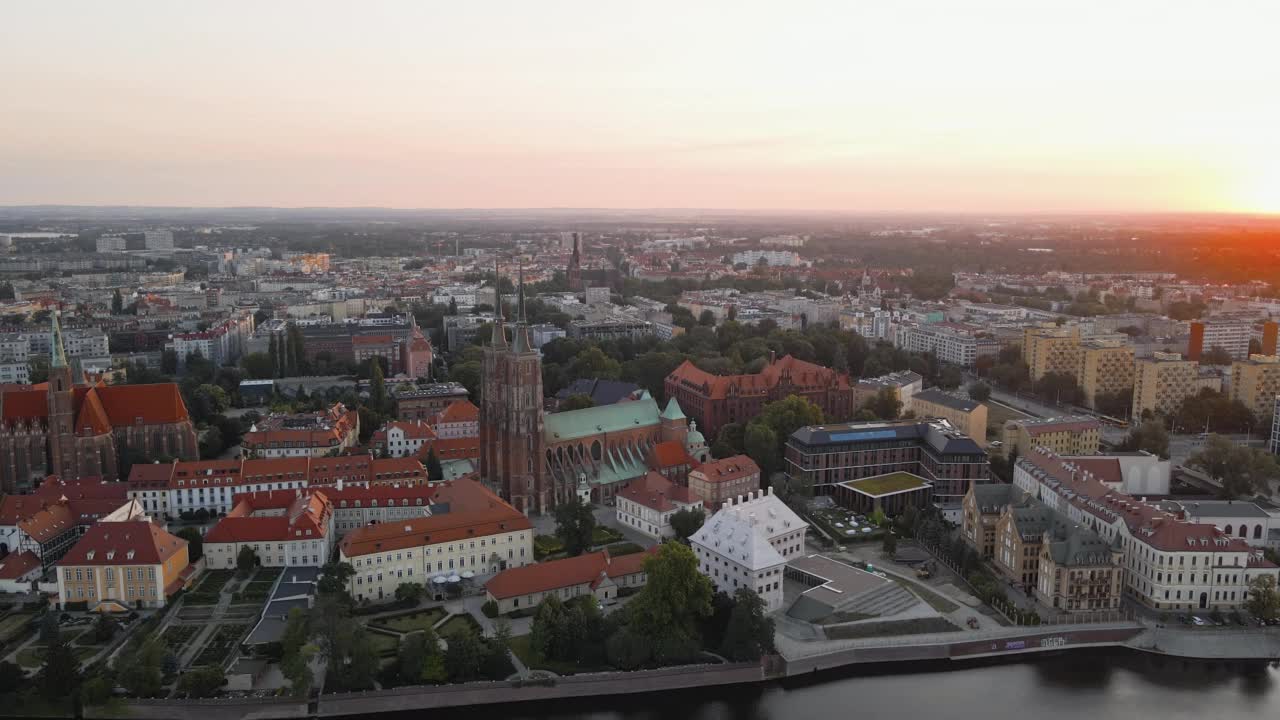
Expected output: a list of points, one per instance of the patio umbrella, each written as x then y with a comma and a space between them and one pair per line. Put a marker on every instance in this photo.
468, 575
454, 578
439, 580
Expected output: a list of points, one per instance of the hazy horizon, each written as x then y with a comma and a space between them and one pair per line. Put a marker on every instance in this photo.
924, 107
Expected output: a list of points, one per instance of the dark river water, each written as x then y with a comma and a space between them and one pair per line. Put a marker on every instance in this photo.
1074, 686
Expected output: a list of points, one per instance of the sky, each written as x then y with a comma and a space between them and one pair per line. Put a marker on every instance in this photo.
858, 106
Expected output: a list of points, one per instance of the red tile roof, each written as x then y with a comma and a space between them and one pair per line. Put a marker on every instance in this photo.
671, 453
18, 564
799, 372
657, 493
460, 411
474, 511
730, 468
102, 407
112, 543
586, 569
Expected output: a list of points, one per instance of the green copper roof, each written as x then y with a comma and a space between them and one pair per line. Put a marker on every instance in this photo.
673, 411
574, 424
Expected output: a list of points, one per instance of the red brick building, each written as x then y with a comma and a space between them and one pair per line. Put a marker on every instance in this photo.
75, 431
717, 400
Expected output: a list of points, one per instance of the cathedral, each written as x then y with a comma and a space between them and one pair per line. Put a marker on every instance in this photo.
76, 431
535, 460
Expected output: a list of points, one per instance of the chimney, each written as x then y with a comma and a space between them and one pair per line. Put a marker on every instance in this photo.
773, 356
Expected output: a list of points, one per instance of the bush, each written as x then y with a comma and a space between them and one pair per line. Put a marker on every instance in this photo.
490, 609
624, 548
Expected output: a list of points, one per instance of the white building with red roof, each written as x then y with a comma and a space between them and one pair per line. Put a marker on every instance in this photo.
188, 486
52, 518
403, 438
598, 574
648, 503
473, 533
1170, 562
283, 528
303, 435
460, 420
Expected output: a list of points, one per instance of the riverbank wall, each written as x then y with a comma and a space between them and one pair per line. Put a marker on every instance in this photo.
1012, 642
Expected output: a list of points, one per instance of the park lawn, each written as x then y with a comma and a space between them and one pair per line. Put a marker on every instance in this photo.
520, 646
32, 656
384, 645
996, 417
420, 620
890, 483
459, 623
601, 535
14, 624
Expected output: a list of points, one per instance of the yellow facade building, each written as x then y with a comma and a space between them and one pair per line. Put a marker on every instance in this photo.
1162, 382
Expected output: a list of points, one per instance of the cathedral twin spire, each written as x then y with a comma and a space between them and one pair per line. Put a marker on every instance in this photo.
520, 337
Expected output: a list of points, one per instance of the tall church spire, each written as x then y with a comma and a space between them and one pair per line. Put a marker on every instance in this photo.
499, 332
57, 352
520, 311
520, 338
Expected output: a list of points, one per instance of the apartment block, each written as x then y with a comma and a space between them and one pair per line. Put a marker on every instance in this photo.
1064, 435
1161, 382
1256, 383
967, 415
1106, 367
1051, 350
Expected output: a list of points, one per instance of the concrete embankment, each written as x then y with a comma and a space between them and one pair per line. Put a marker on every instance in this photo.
421, 698
1221, 644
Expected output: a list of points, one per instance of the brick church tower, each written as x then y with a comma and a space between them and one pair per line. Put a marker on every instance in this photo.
573, 274
63, 454
511, 420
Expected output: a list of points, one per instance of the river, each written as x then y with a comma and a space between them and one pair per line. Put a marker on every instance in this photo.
1068, 686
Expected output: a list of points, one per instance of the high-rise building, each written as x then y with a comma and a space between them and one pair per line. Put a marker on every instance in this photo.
1270, 333
1256, 382
1051, 350
158, 239
1162, 382
1230, 335
1106, 368
1275, 427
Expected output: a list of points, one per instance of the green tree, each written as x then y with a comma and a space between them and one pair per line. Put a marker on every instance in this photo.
1264, 600
169, 362
593, 363
686, 522
495, 664
296, 633
104, 628
463, 656
117, 303
1216, 355
673, 601
707, 318
577, 402
420, 660
730, 441
377, 386
60, 673
409, 592
202, 682
246, 561
749, 634
435, 471
258, 366
761, 444
195, 543
273, 352
208, 400
1150, 436
884, 404
890, 544
979, 391
138, 670
575, 525
468, 374
1240, 470
334, 578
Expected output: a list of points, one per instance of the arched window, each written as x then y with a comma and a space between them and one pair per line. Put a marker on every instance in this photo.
1257, 532
1244, 530
1228, 530
596, 451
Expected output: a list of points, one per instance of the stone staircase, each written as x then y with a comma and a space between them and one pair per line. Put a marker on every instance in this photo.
889, 599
